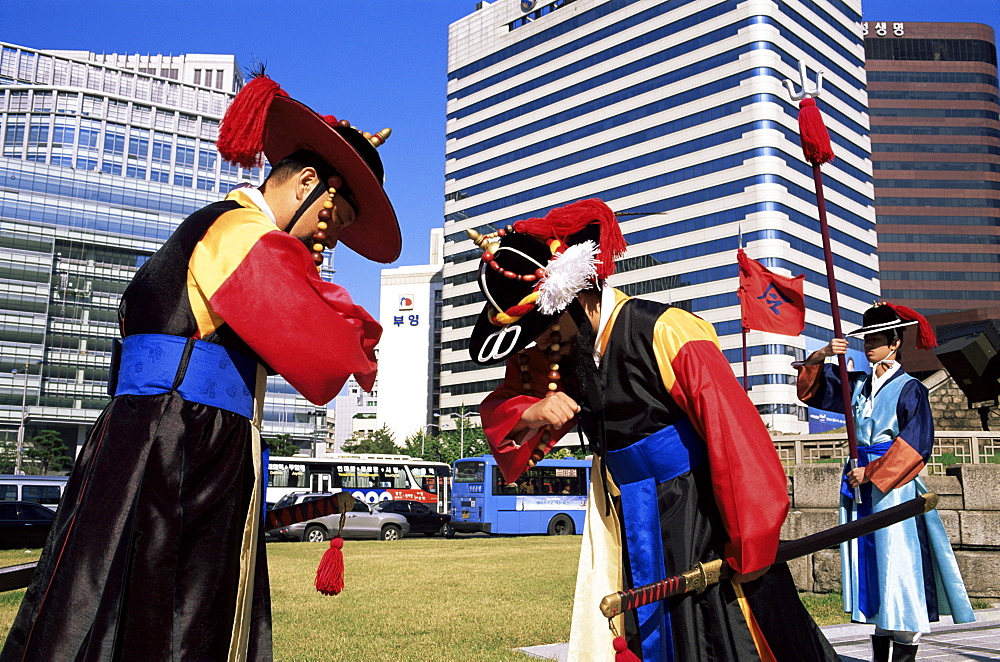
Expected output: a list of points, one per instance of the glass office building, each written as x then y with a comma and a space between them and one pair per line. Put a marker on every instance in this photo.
935, 124
101, 156
674, 113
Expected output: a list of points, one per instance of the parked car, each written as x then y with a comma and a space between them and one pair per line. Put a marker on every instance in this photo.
421, 518
24, 524
361, 522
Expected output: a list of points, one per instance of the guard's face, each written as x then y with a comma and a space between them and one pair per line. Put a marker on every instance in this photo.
878, 348
566, 333
342, 215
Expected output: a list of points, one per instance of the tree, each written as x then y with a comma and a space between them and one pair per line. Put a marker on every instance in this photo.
283, 446
567, 453
8, 453
376, 442
448, 446
49, 452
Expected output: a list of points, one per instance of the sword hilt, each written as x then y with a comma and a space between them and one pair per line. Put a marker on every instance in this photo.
695, 580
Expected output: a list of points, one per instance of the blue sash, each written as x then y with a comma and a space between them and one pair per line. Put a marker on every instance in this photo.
202, 372
637, 470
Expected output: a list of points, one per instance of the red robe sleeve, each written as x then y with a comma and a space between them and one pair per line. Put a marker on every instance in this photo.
265, 286
502, 409
747, 478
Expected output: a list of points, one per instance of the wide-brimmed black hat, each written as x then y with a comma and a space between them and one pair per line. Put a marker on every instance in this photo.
885, 317
493, 341
532, 271
263, 119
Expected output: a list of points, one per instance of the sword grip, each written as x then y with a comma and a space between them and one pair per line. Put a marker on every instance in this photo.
857, 490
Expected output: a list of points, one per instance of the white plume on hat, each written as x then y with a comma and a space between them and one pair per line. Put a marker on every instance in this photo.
566, 275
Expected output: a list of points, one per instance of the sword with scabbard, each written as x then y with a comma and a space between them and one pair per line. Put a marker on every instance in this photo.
703, 575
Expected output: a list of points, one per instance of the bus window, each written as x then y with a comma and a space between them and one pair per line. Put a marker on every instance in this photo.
391, 477
470, 472
428, 478
286, 474
43, 494
8, 492
543, 481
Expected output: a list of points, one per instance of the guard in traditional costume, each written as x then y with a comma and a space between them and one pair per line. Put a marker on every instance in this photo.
903, 577
156, 552
684, 469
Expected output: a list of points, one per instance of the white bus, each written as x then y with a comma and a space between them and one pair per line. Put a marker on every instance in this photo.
370, 478
44, 490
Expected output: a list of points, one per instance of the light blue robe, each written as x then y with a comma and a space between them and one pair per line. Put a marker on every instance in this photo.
904, 576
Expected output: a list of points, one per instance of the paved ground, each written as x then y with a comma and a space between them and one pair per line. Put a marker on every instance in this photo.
948, 642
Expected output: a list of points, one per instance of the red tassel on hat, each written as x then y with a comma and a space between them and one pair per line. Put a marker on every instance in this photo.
330, 573
562, 222
815, 138
244, 126
622, 653
925, 333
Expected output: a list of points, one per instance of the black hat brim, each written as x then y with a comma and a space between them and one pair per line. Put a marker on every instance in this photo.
292, 126
880, 328
485, 351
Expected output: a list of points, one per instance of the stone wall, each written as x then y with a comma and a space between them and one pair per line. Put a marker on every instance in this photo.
969, 508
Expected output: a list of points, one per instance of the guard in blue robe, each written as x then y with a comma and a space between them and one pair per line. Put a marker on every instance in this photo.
903, 577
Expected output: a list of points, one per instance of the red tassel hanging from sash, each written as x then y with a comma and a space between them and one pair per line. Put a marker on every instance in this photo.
622, 653
244, 126
330, 573
815, 138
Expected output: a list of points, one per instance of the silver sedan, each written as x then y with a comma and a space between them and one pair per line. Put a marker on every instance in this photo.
361, 522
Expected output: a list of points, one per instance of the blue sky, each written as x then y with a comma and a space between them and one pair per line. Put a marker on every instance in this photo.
377, 63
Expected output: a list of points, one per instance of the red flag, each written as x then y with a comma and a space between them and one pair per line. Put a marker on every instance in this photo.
770, 302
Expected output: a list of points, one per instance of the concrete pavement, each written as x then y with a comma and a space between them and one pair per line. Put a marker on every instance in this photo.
975, 642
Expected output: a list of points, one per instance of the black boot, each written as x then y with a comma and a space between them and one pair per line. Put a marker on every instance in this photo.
880, 648
904, 652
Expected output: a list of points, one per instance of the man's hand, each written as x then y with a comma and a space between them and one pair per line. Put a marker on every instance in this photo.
556, 410
857, 477
836, 346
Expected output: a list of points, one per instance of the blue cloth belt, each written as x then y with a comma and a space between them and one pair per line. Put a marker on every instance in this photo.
638, 469
202, 372
865, 455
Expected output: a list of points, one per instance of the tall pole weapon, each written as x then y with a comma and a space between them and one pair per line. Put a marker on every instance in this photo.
817, 150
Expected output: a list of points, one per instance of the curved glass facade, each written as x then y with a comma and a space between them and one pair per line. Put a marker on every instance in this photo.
674, 112
101, 156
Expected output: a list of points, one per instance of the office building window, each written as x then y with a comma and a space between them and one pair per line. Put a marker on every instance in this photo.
18, 102
114, 139
38, 131
135, 172
42, 102
197, 76
218, 78
67, 102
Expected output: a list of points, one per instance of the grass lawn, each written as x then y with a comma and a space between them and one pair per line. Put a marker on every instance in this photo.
468, 598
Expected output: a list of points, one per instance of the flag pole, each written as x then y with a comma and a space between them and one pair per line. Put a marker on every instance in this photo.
746, 380
817, 150
743, 327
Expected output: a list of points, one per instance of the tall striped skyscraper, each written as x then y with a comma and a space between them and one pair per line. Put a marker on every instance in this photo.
101, 156
674, 108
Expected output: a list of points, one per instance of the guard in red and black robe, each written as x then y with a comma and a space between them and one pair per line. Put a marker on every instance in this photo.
156, 552
692, 473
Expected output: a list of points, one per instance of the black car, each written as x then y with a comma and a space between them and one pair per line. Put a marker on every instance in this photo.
24, 524
421, 518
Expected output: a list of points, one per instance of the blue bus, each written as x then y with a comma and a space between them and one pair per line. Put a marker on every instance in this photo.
551, 497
